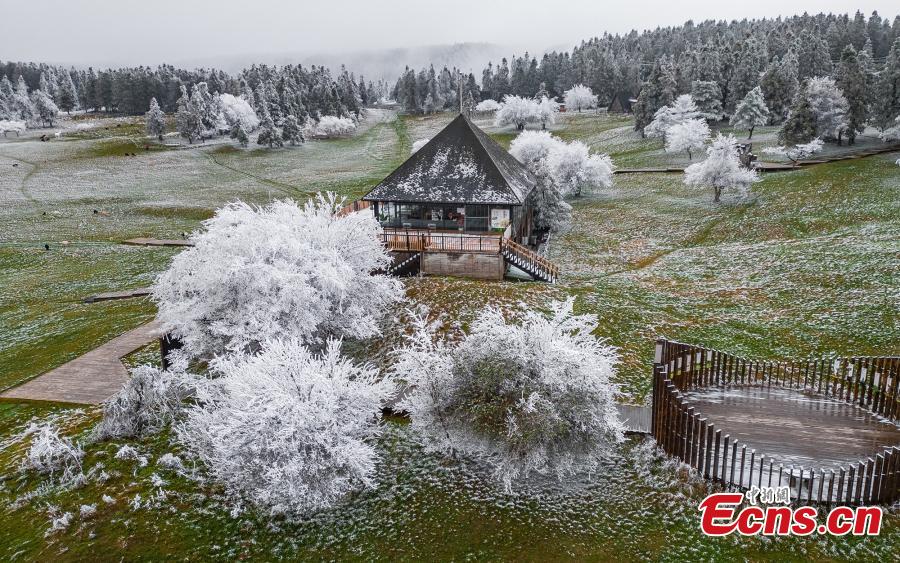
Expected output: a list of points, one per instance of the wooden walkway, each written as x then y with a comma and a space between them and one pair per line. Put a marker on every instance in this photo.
157, 242
793, 426
88, 379
112, 295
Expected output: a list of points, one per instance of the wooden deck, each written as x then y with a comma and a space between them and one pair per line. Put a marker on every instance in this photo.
88, 379
793, 426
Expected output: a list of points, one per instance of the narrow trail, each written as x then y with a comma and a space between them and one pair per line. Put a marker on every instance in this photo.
284, 188
22, 188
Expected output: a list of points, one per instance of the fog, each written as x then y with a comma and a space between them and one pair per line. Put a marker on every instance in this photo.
231, 34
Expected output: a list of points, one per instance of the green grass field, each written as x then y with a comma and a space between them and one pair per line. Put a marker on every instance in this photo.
809, 264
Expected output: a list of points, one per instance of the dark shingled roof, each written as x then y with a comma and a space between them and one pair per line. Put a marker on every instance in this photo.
461, 164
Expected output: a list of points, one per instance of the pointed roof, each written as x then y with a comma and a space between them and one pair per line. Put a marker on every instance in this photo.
461, 164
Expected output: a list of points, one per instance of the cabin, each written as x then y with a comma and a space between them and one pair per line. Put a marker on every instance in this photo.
621, 103
459, 206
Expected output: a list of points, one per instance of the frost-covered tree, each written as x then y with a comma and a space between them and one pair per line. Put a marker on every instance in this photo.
800, 126
268, 133
487, 106
797, 152
187, 119
779, 85
570, 166
52, 454
45, 107
240, 134
830, 108
658, 91
237, 109
286, 429
329, 127
291, 131
278, 271
518, 111
707, 95
892, 133
68, 94
886, 99
156, 120
851, 79
751, 112
579, 98
534, 396
547, 110
149, 400
687, 136
428, 106
682, 110
721, 170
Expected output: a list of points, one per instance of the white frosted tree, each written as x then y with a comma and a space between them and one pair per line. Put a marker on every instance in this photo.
687, 136
721, 170
829, 106
286, 429
268, 133
571, 166
236, 109
579, 98
487, 106
45, 107
796, 152
518, 111
68, 94
282, 270
533, 396
682, 110
22, 104
751, 112
156, 120
547, 110
330, 126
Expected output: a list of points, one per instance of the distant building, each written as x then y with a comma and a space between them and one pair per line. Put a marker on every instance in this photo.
621, 103
460, 206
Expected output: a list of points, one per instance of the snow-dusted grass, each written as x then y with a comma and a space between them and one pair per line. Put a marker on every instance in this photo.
807, 266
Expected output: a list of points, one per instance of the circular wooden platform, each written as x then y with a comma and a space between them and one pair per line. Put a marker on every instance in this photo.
793, 426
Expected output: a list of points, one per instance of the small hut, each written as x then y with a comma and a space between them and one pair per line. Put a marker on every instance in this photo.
460, 203
621, 103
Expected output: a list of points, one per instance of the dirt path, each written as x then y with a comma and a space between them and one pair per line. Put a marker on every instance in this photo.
88, 379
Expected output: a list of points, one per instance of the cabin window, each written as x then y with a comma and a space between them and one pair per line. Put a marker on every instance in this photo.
477, 217
499, 219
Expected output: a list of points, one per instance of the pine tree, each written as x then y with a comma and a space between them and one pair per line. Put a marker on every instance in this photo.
268, 134
657, 92
851, 79
156, 120
291, 131
45, 106
779, 86
239, 133
187, 119
886, 104
751, 112
68, 96
812, 55
800, 126
708, 97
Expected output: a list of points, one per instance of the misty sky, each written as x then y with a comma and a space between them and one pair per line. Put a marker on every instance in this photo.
106, 32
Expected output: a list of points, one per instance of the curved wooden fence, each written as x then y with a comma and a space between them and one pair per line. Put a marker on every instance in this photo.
683, 431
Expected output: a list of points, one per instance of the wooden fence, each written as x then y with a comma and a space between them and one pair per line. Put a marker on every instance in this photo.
684, 432
415, 240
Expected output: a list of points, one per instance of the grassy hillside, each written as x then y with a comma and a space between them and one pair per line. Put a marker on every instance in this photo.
809, 264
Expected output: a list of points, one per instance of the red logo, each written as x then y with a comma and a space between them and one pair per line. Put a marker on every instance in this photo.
720, 515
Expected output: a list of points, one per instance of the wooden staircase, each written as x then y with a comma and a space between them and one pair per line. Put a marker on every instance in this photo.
407, 266
529, 261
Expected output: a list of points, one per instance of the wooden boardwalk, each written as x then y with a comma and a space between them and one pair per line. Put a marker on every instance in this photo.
793, 426
157, 242
112, 295
88, 379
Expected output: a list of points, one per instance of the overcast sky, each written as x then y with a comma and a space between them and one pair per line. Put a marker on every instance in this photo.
107, 32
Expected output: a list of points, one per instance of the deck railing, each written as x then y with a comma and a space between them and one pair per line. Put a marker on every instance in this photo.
530, 261
418, 240
684, 432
